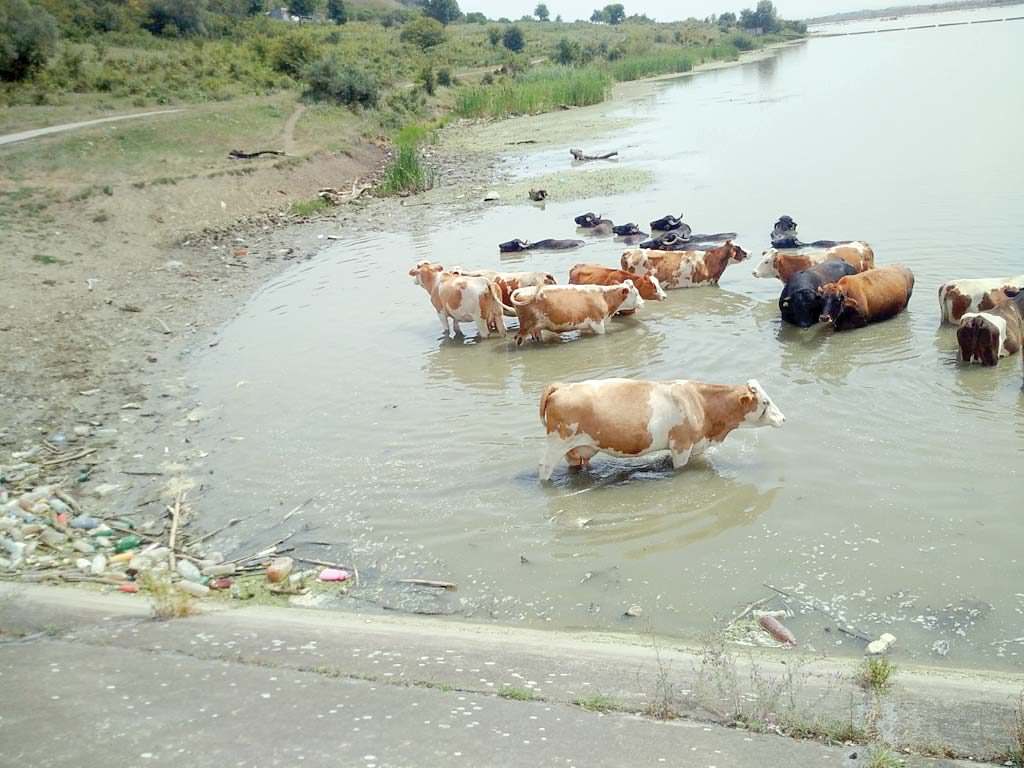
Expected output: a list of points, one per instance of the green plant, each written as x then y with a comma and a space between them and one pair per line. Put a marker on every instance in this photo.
880, 756
293, 53
174, 18
741, 42
445, 11
513, 39
444, 77
494, 35
427, 80
539, 90
1017, 735
597, 703
331, 80
336, 11
28, 36
876, 674
541, 12
424, 32
311, 207
406, 174
168, 601
45, 258
517, 694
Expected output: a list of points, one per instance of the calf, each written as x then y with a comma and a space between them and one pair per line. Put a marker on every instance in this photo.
957, 297
684, 269
563, 308
594, 274
509, 282
985, 337
800, 302
626, 418
867, 297
785, 264
460, 298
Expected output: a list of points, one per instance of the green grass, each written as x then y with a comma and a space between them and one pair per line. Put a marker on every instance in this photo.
517, 694
539, 90
880, 756
406, 173
309, 207
45, 258
876, 674
596, 703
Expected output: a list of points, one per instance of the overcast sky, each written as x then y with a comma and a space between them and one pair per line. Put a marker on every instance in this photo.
670, 10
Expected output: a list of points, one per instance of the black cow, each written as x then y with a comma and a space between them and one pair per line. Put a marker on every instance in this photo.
800, 302
668, 223
594, 224
684, 240
784, 236
517, 245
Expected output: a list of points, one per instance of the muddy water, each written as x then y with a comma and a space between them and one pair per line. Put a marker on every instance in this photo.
890, 500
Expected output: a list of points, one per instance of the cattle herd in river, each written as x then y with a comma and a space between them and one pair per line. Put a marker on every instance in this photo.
833, 282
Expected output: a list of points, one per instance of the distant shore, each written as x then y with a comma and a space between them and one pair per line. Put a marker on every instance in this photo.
909, 10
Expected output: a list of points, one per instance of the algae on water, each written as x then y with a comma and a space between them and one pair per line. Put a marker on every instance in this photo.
577, 185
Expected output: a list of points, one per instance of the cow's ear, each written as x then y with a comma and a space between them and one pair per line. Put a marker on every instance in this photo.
747, 397
437, 267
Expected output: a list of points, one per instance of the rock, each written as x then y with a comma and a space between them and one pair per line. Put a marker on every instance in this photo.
52, 538
940, 647
633, 611
98, 565
216, 571
491, 196
82, 430
333, 574
881, 645
105, 489
83, 546
193, 588
85, 523
279, 569
188, 571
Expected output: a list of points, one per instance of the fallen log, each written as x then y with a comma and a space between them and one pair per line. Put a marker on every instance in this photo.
580, 155
237, 154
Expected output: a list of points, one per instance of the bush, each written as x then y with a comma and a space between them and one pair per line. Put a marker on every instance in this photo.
513, 39
172, 18
331, 80
475, 17
568, 52
293, 53
424, 32
428, 81
336, 11
742, 42
494, 35
445, 11
28, 37
444, 78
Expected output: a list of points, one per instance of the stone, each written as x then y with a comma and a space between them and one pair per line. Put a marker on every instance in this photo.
881, 645
105, 489
193, 588
52, 538
279, 569
634, 611
188, 571
85, 523
83, 546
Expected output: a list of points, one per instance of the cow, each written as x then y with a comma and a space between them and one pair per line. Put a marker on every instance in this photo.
800, 303
683, 269
594, 224
684, 239
784, 264
462, 299
784, 236
958, 297
867, 297
628, 230
548, 244
629, 417
595, 274
509, 282
564, 308
987, 336
669, 223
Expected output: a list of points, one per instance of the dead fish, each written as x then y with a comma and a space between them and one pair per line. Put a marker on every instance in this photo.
775, 628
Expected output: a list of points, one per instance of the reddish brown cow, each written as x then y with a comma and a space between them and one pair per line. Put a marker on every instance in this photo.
854, 301
595, 274
563, 308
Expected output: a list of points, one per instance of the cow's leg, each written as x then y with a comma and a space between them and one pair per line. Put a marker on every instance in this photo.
455, 327
579, 458
598, 327
482, 327
444, 321
554, 452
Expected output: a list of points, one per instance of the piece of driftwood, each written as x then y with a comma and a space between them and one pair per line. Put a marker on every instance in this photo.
446, 585
238, 154
743, 614
579, 154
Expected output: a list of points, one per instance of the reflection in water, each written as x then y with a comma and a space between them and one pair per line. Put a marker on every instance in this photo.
422, 452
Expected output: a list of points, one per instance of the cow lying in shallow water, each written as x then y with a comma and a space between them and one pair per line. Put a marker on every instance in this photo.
985, 337
595, 274
681, 240
683, 269
784, 236
785, 264
461, 299
628, 418
957, 297
593, 224
800, 303
868, 297
564, 308
549, 244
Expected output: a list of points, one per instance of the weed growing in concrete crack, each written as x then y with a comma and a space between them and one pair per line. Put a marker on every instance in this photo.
168, 602
596, 703
876, 674
517, 694
880, 756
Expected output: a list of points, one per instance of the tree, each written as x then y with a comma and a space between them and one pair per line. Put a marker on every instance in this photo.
28, 36
424, 32
475, 17
494, 35
301, 7
764, 18
568, 52
727, 20
175, 17
336, 11
598, 17
614, 14
513, 39
445, 11
542, 12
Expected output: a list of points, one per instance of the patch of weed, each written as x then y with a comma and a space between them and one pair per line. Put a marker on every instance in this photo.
309, 207
517, 694
876, 674
596, 703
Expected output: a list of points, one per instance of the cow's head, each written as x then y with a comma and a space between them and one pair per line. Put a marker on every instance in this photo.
802, 307
625, 230
666, 223
676, 240
980, 337
736, 254
759, 409
513, 246
766, 267
631, 300
649, 287
834, 302
587, 220
425, 273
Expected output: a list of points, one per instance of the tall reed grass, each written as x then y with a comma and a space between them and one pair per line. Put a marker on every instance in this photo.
539, 90
406, 174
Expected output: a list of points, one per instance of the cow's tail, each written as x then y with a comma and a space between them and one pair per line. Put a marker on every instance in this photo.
498, 293
499, 308
544, 398
521, 299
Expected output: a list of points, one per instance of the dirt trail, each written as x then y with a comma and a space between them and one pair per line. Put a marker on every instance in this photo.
11, 138
288, 133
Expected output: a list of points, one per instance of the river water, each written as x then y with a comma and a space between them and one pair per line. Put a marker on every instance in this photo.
890, 500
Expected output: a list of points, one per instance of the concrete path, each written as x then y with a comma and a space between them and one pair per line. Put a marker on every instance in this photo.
11, 138
270, 686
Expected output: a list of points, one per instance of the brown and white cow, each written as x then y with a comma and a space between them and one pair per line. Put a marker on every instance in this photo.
683, 269
462, 299
997, 332
783, 264
595, 274
628, 417
509, 282
564, 308
957, 297
854, 301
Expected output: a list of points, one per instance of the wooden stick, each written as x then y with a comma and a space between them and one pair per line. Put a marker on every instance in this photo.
166, 331
141, 473
296, 509
211, 534
749, 608
66, 459
447, 585
175, 516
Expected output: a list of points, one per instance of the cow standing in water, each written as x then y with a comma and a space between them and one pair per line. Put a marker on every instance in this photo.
595, 274
785, 264
564, 308
868, 297
683, 269
985, 337
800, 303
958, 297
630, 418
461, 299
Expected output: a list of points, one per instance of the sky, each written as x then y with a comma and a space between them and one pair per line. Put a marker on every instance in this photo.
672, 10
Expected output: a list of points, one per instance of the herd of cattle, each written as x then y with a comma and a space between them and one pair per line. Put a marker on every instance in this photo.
823, 281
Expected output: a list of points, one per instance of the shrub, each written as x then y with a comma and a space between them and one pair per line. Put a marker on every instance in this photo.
172, 18
427, 80
423, 32
742, 42
444, 77
27, 39
293, 53
336, 11
445, 11
568, 52
513, 39
494, 35
332, 80
475, 17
